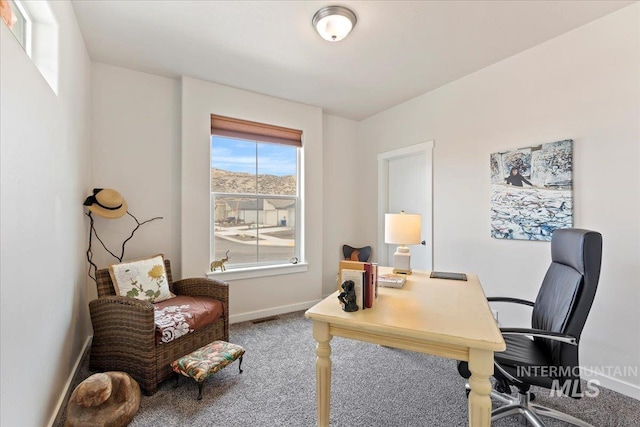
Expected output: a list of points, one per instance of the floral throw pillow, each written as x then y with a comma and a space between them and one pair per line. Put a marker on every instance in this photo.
143, 279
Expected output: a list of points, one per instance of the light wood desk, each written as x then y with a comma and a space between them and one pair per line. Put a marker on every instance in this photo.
447, 318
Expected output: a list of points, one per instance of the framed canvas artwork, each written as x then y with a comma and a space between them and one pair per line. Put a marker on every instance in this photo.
532, 191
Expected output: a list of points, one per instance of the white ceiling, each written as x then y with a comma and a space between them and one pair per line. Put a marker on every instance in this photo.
398, 49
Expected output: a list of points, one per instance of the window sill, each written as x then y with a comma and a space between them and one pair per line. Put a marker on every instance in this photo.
255, 272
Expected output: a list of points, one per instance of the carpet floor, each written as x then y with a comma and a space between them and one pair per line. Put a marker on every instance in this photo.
371, 386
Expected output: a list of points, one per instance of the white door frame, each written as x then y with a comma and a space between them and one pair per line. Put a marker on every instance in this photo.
383, 194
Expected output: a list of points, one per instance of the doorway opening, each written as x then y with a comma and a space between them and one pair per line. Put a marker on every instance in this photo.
405, 182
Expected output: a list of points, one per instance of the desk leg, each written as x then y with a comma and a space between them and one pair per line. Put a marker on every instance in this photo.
323, 371
481, 367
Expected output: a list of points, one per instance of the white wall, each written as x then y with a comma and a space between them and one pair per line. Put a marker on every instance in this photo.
44, 179
135, 134
265, 295
138, 149
584, 85
342, 182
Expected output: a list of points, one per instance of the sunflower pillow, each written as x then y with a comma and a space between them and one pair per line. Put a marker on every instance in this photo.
143, 279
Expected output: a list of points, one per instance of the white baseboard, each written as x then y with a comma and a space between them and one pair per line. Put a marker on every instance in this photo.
615, 384
273, 311
68, 384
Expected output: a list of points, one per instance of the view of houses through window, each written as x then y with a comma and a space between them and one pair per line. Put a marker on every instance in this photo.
254, 202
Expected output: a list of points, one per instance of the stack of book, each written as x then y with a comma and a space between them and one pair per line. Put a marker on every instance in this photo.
365, 278
391, 280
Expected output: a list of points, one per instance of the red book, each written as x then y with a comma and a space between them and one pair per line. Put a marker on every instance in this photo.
374, 267
369, 291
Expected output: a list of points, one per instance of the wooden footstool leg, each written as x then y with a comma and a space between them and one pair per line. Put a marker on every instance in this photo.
177, 375
240, 364
200, 384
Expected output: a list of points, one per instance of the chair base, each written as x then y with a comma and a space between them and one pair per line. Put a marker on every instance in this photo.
521, 405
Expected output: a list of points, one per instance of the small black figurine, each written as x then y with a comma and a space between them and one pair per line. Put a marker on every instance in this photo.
348, 296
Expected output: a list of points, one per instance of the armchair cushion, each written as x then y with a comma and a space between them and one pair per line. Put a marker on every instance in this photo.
184, 314
144, 279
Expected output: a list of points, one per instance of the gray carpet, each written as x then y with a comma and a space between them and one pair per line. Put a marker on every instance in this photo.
371, 386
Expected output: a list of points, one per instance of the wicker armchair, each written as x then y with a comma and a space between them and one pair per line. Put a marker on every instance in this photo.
124, 335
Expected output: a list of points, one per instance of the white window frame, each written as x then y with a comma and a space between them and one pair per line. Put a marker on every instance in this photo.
262, 269
41, 38
25, 38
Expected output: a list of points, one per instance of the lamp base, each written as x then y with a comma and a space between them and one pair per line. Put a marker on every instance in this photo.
402, 260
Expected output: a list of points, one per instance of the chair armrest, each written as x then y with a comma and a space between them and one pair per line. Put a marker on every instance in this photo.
510, 300
567, 339
203, 287
110, 313
113, 302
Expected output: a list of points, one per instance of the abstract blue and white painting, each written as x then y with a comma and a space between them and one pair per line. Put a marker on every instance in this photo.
532, 191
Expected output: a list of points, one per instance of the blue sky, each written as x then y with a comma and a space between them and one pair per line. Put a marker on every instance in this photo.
236, 155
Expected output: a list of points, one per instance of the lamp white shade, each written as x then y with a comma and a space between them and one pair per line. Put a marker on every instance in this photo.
402, 229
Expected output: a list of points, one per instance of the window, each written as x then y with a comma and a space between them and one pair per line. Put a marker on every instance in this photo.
19, 23
255, 193
36, 29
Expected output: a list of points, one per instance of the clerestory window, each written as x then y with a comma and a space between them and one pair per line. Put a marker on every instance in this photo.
255, 193
36, 29
19, 22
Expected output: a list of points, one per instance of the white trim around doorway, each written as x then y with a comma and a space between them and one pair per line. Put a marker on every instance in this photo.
383, 193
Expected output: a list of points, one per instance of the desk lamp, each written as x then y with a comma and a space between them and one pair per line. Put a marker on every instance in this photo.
402, 229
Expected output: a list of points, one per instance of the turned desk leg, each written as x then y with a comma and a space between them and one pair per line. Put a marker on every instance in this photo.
323, 371
481, 367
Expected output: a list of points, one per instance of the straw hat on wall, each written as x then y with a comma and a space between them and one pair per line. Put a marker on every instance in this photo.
106, 203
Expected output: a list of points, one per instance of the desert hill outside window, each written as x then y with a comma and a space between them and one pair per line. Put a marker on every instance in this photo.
255, 194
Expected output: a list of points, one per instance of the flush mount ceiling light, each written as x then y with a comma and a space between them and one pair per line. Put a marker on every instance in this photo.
334, 23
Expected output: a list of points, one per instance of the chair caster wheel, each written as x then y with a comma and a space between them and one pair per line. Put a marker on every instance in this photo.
503, 387
466, 393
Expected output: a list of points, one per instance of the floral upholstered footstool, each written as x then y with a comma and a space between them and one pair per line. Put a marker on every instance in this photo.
206, 361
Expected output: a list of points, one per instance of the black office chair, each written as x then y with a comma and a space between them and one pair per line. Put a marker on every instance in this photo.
550, 358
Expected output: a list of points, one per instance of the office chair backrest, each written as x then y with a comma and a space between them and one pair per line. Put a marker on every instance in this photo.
568, 289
